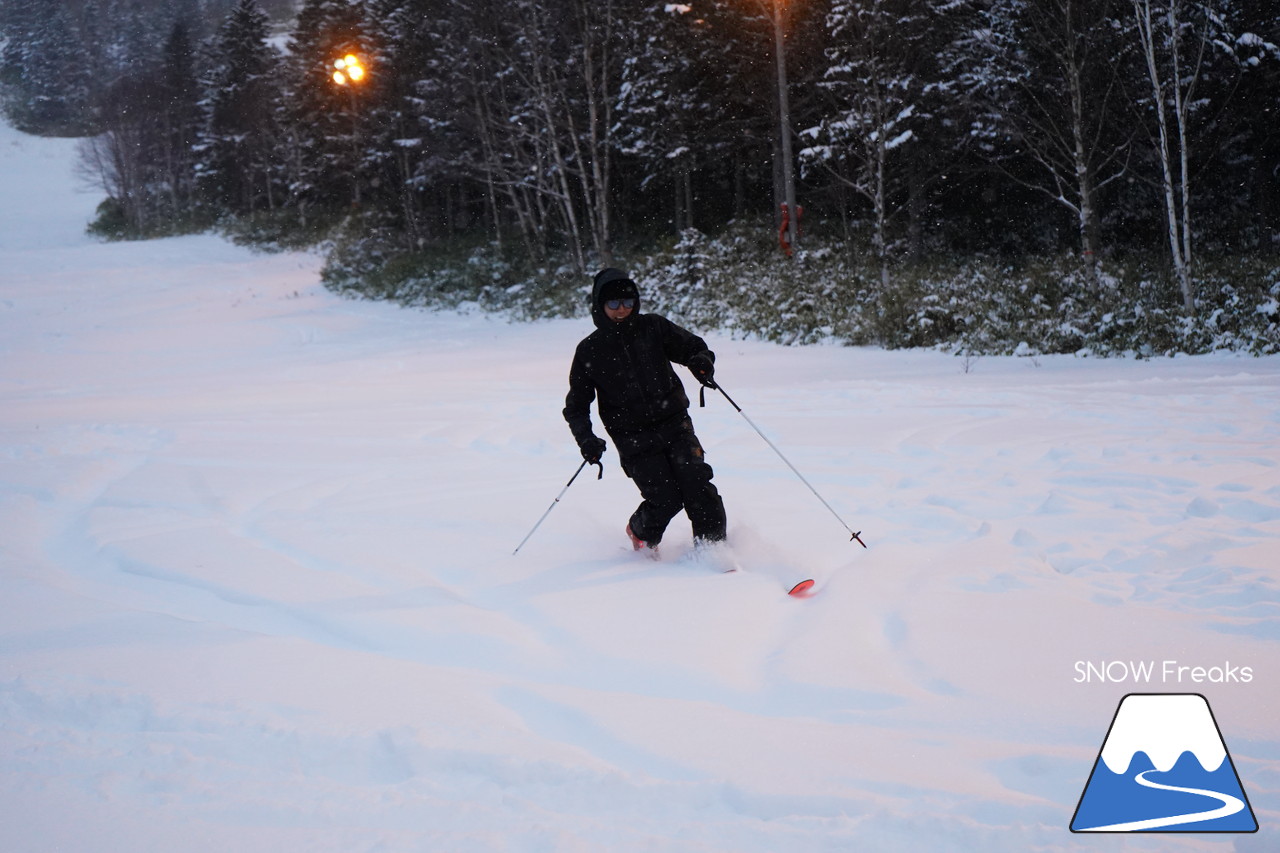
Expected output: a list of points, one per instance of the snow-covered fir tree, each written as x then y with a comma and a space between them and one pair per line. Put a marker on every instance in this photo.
889, 89
239, 165
46, 67
324, 121
179, 122
676, 63
1245, 181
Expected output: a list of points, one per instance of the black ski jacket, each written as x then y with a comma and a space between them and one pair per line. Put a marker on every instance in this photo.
627, 365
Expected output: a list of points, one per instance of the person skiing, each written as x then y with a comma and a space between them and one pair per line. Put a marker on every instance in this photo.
626, 366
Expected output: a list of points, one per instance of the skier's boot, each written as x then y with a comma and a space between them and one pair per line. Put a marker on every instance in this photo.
639, 544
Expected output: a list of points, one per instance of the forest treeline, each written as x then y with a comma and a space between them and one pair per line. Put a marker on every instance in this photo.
1110, 164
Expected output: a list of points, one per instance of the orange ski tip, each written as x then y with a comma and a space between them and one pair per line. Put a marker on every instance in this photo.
804, 589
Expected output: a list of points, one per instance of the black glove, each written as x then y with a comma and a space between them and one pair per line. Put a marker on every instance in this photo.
592, 448
704, 369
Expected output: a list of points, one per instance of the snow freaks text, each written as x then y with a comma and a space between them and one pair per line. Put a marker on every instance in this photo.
1160, 672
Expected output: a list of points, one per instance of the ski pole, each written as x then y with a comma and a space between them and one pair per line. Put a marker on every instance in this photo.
853, 536
557, 500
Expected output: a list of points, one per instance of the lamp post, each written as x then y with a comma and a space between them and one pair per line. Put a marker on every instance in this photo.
784, 122
348, 73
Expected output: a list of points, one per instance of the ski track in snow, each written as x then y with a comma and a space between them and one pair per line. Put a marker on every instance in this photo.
257, 590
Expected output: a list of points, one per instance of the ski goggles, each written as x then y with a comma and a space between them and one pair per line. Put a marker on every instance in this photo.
615, 304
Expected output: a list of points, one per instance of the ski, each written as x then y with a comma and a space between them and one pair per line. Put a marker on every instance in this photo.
804, 589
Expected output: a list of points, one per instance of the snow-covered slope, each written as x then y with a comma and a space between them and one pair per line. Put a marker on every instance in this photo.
257, 590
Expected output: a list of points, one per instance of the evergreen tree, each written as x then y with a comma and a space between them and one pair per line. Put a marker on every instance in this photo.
888, 91
674, 69
697, 110
323, 120
239, 165
46, 65
180, 121
1239, 197
413, 152
134, 37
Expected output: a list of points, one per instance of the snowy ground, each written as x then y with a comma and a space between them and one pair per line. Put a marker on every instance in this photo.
257, 590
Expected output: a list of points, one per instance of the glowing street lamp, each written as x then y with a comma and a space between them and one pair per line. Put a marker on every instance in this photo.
348, 73
348, 69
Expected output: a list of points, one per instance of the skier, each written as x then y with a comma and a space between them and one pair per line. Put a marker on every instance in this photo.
625, 364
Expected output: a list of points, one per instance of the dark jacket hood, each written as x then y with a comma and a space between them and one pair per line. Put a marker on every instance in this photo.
622, 287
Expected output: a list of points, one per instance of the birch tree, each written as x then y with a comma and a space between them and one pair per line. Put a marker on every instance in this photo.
1045, 81
596, 23
543, 87
1176, 40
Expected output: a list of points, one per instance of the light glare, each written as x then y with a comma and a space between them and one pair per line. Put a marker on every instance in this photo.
349, 70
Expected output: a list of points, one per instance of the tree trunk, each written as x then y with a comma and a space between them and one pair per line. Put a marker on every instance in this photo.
1086, 216
596, 36
881, 213
1181, 269
784, 126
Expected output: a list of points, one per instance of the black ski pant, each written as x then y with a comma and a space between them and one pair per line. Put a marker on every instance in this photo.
672, 475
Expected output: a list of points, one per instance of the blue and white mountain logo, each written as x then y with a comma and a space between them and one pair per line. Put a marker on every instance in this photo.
1164, 767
